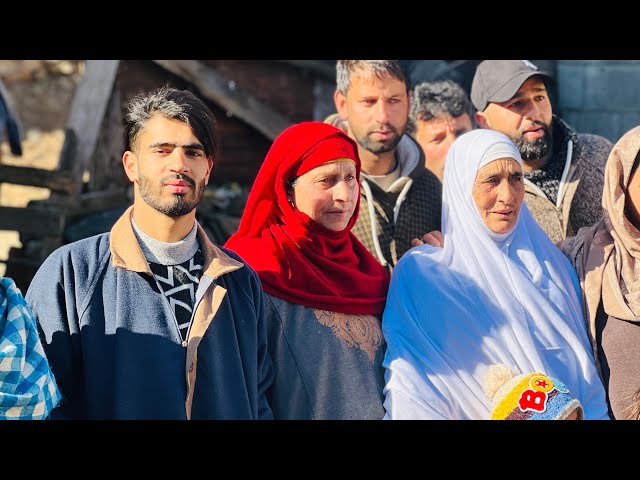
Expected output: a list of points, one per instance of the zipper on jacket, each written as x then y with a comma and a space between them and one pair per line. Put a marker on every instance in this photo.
175, 320
199, 296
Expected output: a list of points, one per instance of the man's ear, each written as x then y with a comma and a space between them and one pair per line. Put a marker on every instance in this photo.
341, 104
129, 161
481, 120
209, 170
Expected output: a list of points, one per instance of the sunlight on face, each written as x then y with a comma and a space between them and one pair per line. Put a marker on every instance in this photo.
328, 194
526, 119
498, 192
171, 169
377, 110
435, 136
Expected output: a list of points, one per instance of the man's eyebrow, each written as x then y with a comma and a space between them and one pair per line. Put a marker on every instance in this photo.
190, 146
536, 90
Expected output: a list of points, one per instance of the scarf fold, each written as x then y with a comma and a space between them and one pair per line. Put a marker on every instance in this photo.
296, 258
28, 390
611, 248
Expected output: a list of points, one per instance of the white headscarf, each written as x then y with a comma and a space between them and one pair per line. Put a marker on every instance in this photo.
483, 299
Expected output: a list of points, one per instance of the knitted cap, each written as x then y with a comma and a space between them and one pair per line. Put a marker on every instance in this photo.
533, 396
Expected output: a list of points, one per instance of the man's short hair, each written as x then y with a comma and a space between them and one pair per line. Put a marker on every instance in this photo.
345, 69
434, 99
181, 105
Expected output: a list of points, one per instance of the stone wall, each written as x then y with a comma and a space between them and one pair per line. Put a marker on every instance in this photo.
600, 96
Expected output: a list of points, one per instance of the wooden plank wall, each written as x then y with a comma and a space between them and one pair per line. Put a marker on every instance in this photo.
286, 89
272, 95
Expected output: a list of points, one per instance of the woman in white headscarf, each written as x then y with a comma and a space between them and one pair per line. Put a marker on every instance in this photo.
498, 292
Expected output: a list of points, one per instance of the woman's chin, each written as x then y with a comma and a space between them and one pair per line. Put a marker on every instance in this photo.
501, 227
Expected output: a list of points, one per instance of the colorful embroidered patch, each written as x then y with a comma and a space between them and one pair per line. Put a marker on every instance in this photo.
535, 398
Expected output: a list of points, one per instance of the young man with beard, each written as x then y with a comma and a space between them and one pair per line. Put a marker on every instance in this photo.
564, 170
151, 320
400, 200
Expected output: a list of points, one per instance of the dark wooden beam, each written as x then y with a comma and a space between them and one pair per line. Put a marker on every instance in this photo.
30, 263
229, 96
97, 201
84, 203
36, 177
39, 222
325, 68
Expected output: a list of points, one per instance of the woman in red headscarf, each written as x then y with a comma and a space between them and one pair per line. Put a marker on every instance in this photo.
325, 291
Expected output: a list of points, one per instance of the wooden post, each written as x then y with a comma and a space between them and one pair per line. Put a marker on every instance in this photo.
88, 109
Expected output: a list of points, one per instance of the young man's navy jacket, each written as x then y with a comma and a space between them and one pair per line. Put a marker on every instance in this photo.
116, 350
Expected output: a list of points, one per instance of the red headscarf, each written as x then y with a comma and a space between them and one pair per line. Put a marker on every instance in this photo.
298, 259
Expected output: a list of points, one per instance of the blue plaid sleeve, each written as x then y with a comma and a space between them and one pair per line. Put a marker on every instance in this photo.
28, 390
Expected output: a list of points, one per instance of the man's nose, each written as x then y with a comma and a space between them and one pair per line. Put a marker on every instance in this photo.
382, 113
178, 160
534, 111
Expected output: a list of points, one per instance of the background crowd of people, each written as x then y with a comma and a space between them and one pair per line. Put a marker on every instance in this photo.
420, 254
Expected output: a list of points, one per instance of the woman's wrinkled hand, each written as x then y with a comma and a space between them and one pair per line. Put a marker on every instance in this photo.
433, 238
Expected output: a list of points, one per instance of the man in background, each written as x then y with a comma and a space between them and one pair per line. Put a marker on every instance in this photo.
564, 170
400, 199
440, 112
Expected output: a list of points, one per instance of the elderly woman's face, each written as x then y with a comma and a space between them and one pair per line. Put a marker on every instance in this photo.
498, 192
633, 198
328, 193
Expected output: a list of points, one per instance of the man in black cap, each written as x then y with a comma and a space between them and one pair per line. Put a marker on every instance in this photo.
564, 170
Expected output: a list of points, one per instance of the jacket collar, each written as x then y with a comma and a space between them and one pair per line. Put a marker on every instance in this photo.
127, 254
562, 133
